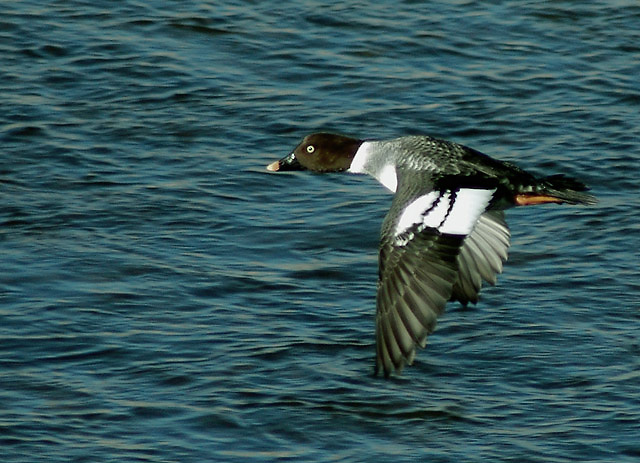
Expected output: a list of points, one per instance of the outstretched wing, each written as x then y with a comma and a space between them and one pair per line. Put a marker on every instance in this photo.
481, 256
418, 266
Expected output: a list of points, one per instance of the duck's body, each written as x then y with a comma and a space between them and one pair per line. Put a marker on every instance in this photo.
445, 231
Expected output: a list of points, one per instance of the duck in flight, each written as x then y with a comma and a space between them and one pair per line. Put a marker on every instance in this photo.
445, 231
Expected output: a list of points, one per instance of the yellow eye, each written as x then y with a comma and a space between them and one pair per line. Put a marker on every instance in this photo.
311, 149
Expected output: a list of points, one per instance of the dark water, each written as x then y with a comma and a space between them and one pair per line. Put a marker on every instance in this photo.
164, 299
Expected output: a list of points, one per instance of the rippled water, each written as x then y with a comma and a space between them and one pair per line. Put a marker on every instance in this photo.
163, 298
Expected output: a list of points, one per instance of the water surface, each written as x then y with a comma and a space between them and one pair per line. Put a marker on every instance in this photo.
164, 298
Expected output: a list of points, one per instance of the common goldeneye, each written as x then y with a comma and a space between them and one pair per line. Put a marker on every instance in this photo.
445, 231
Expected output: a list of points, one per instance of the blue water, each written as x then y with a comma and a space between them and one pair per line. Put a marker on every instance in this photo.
164, 299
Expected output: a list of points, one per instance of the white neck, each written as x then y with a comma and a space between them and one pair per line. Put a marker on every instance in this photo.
368, 160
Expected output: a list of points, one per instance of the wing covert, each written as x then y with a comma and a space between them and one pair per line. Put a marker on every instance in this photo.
418, 267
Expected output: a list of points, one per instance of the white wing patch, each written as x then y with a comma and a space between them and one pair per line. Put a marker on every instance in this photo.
469, 204
415, 212
454, 213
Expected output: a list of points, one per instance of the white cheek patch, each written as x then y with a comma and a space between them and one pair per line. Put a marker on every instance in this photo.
454, 213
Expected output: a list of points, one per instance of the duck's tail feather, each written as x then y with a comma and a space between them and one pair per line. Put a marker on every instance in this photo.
556, 189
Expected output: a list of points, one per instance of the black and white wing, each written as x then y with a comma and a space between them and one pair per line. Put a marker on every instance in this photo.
418, 266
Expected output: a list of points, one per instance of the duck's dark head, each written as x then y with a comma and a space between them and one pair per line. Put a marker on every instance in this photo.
319, 152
